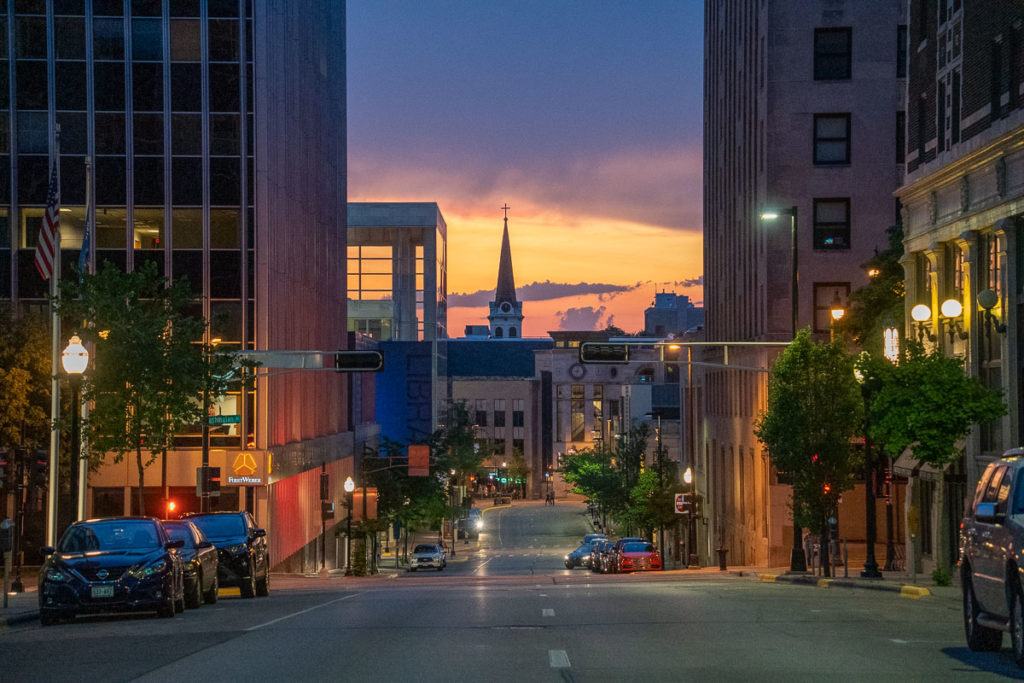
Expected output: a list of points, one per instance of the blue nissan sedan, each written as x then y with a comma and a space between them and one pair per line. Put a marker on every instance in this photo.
118, 564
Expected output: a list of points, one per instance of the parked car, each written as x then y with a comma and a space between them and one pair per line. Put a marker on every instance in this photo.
428, 556
199, 560
637, 556
474, 523
991, 538
581, 556
600, 550
612, 560
590, 538
242, 553
117, 564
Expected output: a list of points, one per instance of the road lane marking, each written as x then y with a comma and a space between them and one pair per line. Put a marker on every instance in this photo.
547, 612
558, 659
295, 614
481, 566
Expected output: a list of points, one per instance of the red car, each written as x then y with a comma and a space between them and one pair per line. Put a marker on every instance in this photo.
637, 556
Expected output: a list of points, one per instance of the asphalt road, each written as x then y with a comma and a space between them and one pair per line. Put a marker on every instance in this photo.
512, 612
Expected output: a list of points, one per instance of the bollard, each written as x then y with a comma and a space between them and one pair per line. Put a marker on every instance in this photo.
722, 552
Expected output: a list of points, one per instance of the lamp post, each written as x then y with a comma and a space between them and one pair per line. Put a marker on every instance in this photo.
75, 359
350, 487
922, 314
204, 500
693, 559
837, 311
870, 570
797, 562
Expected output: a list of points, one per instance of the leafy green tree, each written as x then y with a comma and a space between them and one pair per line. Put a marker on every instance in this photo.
519, 471
878, 304
592, 474
928, 404
814, 409
148, 376
24, 381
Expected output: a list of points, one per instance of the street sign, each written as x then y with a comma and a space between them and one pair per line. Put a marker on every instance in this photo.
602, 352
358, 361
224, 420
681, 508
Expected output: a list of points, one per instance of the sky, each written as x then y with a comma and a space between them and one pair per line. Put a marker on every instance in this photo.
583, 115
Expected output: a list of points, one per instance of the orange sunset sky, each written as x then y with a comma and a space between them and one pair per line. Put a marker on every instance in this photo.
584, 117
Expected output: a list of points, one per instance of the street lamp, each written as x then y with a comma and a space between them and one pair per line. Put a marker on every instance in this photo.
693, 559
988, 299
75, 359
837, 311
870, 570
797, 562
951, 310
350, 487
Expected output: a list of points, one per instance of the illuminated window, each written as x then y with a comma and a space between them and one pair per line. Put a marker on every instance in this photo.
369, 273
577, 420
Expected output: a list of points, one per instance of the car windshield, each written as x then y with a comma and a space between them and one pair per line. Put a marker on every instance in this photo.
425, 549
638, 548
110, 535
180, 531
220, 526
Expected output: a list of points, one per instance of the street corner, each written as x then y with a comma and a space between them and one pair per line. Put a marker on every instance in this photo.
910, 591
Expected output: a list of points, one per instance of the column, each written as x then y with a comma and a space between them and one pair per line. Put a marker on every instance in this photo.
1006, 229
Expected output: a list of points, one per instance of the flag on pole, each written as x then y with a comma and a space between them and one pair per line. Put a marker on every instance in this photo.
48, 244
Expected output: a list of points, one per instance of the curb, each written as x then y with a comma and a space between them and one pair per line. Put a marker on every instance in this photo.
905, 590
17, 619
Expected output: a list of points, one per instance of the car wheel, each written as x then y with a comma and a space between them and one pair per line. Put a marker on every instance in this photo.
979, 638
194, 597
568, 564
179, 604
263, 585
48, 619
1017, 624
211, 595
248, 587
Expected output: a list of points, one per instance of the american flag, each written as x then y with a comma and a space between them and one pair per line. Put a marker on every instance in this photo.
48, 244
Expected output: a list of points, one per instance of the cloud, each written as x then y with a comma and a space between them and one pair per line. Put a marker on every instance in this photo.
582, 318
537, 291
690, 282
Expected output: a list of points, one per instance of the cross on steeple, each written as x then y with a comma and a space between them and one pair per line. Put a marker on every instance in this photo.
505, 209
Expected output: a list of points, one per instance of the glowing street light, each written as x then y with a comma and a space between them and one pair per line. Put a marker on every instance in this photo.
688, 475
75, 359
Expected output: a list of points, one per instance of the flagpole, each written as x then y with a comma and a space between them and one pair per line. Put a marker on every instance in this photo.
51, 500
83, 444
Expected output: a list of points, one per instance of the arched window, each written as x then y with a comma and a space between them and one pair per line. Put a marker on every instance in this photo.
498, 332
511, 332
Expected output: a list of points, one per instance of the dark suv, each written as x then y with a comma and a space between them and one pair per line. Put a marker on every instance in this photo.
991, 541
244, 559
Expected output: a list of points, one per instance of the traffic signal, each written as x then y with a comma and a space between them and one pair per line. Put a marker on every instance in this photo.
826, 488
325, 486
170, 508
208, 481
38, 468
358, 361
602, 352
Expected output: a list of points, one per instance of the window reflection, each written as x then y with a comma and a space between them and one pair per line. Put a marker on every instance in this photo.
148, 229
110, 228
187, 225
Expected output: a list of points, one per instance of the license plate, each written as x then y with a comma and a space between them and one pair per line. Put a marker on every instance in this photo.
102, 591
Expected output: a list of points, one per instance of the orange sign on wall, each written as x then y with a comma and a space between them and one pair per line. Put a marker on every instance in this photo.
371, 504
419, 460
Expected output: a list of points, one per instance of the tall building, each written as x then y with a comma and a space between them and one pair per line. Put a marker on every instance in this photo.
802, 113
506, 312
671, 314
397, 270
963, 208
216, 129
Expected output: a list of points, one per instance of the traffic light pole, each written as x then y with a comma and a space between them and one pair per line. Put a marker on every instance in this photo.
204, 499
19, 520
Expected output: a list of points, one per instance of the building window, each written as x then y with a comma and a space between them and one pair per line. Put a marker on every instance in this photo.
499, 416
825, 296
499, 447
954, 108
832, 223
940, 117
831, 139
369, 273
832, 53
518, 415
518, 447
993, 263
481, 412
901, 137
901, 51
576, 407
954, 272
597, 405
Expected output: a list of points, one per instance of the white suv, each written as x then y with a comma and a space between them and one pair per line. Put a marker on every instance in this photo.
428, 556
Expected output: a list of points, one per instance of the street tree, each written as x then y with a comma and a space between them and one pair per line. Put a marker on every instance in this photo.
814, 409
879, 303
148, 376
24, 381
927, 403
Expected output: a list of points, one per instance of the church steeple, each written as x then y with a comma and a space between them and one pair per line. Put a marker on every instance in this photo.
506, 290
506, 312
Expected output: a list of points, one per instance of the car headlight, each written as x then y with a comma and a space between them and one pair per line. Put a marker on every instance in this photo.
479, 524
55, 575
142, 572
240, 549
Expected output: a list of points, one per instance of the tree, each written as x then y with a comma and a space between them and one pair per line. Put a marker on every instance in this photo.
928, 404
24, 381
518, 471
149, 370
814, 409
878, 304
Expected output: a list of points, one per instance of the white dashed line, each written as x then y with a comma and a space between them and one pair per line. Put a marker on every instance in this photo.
558, 659
547, 612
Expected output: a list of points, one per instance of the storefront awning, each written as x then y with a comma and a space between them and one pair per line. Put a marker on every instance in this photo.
907, 465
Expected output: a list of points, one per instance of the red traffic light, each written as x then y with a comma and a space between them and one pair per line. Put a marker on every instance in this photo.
826, 488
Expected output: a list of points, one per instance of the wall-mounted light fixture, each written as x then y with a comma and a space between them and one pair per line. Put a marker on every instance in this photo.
952, 315
922, 315
988, 300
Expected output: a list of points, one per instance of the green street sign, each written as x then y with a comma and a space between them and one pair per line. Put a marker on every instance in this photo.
224, 420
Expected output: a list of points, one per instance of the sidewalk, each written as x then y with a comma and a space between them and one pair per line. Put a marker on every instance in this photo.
892, 582
21, 608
